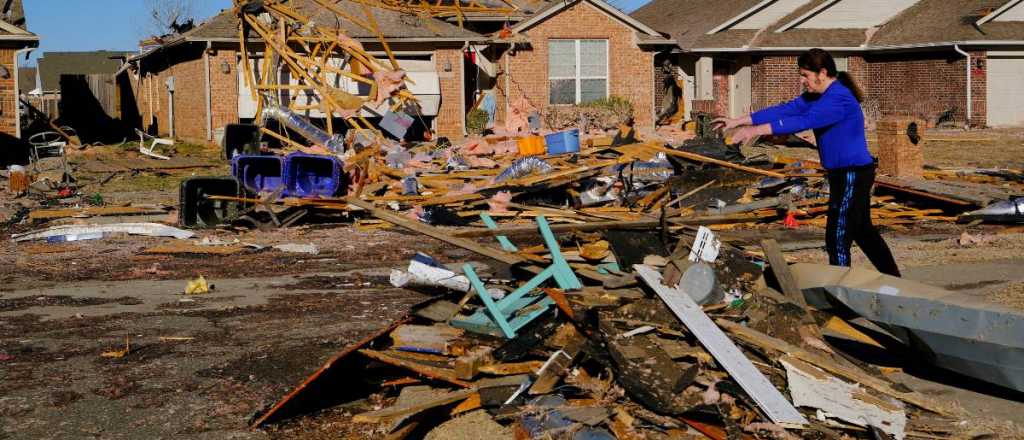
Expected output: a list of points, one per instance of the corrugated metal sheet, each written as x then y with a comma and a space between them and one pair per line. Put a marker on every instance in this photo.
856, 14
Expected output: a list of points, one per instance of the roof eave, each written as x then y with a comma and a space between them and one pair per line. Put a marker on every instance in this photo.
361, 40
887, 47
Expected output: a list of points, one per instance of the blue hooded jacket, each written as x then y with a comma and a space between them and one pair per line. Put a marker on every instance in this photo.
836, 118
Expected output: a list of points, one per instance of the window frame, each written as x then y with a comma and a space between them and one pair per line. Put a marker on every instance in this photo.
578, 77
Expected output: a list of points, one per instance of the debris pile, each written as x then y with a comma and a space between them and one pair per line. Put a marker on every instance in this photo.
694, 342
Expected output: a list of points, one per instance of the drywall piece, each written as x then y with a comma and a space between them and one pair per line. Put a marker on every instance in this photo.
811, 387
774, 404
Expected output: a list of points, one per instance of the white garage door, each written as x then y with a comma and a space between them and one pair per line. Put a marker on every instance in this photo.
1005, 90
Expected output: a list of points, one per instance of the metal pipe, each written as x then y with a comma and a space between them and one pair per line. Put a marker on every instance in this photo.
970, 106
304, 128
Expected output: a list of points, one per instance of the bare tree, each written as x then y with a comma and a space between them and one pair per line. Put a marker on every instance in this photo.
167, 16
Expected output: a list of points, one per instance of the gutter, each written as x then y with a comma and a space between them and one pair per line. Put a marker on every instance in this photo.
17, 92
970, 102
945, 44
209, 105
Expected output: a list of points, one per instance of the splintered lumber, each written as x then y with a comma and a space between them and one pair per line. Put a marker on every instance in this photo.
766, 342
705, 159
434, 232
767, 397
322, 387
773, 253
399, 411
50, 214
437, 233
510, 369
813, 388
439, 373
179, 247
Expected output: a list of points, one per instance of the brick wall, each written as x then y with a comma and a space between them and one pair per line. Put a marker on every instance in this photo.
187, 66
224, 88
776, 79
630, 68
8, 101
720, 88
450, 116
924, 85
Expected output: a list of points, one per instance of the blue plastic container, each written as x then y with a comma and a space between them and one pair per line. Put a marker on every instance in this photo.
258, 173
563, 142
308, 175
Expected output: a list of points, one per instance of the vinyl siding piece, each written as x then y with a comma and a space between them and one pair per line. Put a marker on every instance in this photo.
856, 14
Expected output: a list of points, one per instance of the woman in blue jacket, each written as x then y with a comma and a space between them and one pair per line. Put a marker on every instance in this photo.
831, 107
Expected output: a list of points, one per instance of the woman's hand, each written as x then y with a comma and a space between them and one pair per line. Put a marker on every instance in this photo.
747, 132
730, 123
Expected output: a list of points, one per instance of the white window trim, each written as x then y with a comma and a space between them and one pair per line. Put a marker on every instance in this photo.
578, 77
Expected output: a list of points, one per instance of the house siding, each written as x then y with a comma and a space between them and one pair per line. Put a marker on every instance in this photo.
630, 68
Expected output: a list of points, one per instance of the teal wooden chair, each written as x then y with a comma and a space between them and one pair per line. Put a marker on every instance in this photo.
506, 316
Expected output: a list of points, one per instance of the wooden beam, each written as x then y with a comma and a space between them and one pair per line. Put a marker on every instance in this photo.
773, 253
756, 338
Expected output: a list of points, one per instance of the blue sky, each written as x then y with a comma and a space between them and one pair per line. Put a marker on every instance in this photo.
83, 25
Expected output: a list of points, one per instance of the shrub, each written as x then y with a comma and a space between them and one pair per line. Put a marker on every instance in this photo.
476, 121
602, 114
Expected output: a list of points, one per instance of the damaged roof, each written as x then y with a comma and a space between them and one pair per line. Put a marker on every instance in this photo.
13, 25
392, 24
923, 23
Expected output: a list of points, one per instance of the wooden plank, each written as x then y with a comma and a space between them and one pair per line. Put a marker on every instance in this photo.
443, 374
705, 159
395, 412
767, 397
49, 214
773, 252
764, 341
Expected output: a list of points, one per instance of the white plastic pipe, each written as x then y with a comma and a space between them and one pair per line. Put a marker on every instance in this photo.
970, 113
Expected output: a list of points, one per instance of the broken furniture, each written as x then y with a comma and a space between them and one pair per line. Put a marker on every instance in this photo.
517, 309
48, 144
153, 143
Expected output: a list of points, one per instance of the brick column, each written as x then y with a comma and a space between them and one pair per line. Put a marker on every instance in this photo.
450, 116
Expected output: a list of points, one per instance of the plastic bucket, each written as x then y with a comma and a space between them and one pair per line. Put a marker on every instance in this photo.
530, 146
563, 142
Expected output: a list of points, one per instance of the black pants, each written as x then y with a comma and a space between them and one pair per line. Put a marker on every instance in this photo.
849, 220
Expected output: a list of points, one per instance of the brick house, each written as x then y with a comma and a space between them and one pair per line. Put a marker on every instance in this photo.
943, 60
189, 86
577, 51
15, 41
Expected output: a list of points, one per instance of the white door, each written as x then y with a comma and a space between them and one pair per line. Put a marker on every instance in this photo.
1005, 90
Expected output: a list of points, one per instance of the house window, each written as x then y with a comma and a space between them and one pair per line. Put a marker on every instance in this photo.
577, 71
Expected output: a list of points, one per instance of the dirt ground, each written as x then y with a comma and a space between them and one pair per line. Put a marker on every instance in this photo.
203, 366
